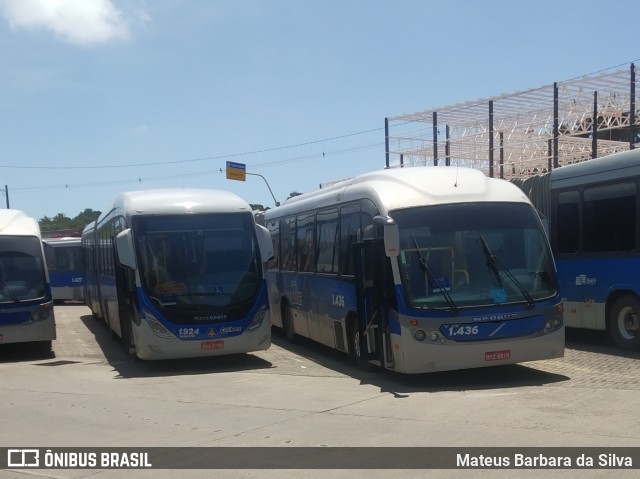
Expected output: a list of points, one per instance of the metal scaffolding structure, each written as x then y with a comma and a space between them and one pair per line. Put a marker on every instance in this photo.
525, 133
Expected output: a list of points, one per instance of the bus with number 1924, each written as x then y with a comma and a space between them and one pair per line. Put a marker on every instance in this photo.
179, 273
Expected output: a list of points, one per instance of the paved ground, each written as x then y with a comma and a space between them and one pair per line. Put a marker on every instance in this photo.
89, 393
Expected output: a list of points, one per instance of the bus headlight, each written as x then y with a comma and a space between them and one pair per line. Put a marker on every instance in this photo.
420, 335
157, 327
42, 312
552, 324
257, 320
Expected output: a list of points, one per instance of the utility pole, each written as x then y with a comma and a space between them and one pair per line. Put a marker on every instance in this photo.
6, 194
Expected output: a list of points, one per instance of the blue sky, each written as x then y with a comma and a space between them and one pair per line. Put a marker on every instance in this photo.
103, 96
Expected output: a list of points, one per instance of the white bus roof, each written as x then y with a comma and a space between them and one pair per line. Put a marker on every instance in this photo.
611, 167
17, 223
63, 241
399, 188
176, 201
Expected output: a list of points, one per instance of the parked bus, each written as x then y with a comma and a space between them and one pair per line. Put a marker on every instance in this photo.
179, 273
594, 231
64, 261
26, 305
417, 270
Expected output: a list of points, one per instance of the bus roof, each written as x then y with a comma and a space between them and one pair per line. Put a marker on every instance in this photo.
17, 223
399, 188
176, 201
618, 165
63, 241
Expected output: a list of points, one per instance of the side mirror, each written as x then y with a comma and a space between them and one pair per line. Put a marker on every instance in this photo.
390, 234
125, 251
391, 239
264, 243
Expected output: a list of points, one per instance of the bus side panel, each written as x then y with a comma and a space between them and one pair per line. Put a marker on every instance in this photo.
586, 283
20, 333
274, 284
333, 298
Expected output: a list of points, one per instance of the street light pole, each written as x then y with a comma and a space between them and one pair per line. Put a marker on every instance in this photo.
267, 183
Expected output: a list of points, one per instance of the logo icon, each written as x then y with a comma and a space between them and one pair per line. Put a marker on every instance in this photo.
23, 458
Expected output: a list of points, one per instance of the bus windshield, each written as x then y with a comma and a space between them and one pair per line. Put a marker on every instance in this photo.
198, 261
473, 255
21, 269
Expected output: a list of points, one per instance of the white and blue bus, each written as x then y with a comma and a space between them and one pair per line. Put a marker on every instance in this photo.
64, 262
26, 305
593, 209
417, 270
178, 273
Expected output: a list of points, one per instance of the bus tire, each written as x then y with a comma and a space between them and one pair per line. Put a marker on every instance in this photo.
45, 346
354, 347
287, 323
624, 322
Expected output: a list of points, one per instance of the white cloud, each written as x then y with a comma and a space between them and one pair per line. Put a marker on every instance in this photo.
80, 22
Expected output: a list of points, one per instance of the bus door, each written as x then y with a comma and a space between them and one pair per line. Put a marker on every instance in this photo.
372, 276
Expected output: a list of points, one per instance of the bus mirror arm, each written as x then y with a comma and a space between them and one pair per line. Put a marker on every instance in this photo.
264, 243
390, 234
124, 249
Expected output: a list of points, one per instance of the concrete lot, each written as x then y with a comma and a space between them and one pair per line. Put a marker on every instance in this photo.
88, 393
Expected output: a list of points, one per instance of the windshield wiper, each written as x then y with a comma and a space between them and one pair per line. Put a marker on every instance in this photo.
496, 265
435, 281
10, 293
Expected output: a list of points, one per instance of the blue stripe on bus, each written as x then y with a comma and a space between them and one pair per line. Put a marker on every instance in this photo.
206, 330
59, 280
14, 317
513, 328
593, 279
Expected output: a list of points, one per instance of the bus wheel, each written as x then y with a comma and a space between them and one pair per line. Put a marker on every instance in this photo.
624, 322
287, 323
44, 346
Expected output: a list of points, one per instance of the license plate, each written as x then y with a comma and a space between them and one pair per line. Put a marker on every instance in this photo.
497, 355
208, 345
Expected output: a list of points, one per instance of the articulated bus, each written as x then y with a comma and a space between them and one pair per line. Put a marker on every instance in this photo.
417, 270
179, 273
594, 231
64, 261
26, 305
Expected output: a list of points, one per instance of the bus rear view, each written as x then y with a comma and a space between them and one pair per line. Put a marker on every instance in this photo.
26, 305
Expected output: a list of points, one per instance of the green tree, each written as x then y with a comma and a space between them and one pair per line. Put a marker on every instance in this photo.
61, 224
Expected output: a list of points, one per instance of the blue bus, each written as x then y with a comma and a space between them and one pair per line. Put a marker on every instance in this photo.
179, 273
26, 305
594, 227
64, 260
417, 270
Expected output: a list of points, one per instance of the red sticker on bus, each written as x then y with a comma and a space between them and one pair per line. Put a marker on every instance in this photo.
497, 355
207, 345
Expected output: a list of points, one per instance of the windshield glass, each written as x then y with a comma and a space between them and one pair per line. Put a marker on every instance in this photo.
473, 254
198, 260
21, 269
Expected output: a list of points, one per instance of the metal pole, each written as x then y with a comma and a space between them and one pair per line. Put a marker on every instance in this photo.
556, 126
502, 155
632, 108
491, 138
435, 138
594, 127
6, 192
386, 140
267, 183
447, 147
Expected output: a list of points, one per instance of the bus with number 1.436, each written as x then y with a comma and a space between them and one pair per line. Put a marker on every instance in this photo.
417, 270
